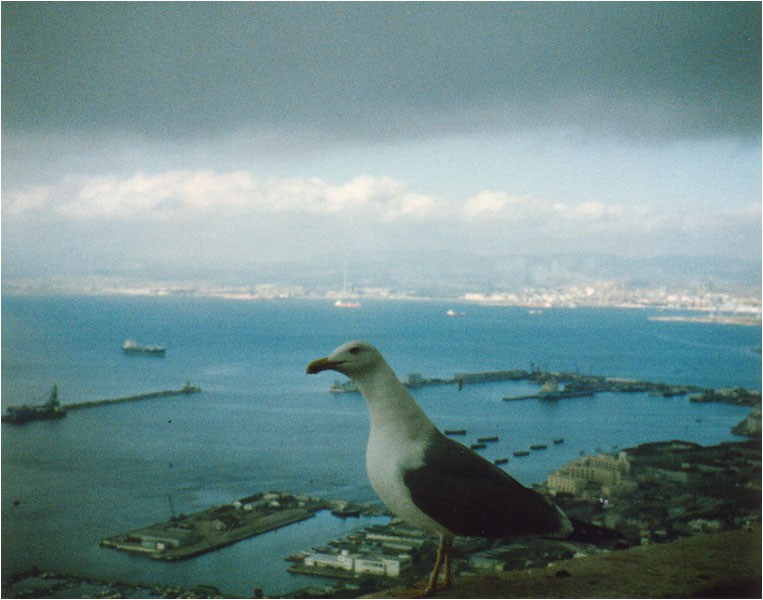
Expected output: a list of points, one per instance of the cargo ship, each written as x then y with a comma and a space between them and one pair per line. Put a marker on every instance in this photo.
52, 409
132, 347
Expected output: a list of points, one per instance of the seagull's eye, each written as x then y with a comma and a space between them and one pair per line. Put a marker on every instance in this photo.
355, 350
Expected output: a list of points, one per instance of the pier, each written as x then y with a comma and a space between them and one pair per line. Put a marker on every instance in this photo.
186, 389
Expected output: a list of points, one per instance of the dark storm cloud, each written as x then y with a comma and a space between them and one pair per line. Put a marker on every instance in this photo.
377, 69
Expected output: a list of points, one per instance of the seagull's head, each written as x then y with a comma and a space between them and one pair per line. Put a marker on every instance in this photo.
352, 359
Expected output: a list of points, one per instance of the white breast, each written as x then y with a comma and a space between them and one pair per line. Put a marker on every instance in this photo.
387, 458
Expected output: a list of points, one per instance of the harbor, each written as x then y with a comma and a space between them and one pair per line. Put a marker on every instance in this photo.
261, 425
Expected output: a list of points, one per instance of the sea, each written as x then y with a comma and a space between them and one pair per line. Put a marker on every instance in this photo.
260, 423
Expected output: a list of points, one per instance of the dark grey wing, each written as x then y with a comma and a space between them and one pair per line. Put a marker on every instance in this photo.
471, 496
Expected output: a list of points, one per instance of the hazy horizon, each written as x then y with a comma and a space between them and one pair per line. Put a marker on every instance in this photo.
236, 138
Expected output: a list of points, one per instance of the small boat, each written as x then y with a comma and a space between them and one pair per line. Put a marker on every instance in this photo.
343, 387
492, 438
538, 447
478, 446
521, 452
343, 304
559, 441
453, 313
455, 432
501, 461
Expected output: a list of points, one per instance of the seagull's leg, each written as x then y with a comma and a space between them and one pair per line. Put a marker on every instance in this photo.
432, 586
448, 581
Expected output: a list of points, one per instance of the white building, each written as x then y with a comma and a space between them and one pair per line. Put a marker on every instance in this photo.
342, 560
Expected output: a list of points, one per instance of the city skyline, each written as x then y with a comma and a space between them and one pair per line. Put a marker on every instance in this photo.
159, 140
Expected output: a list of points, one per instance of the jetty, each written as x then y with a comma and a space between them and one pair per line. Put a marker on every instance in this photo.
185, 390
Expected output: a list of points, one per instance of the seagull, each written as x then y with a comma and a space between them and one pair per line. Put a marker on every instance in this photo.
433, 482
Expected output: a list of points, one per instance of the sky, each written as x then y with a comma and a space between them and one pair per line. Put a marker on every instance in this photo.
171, 139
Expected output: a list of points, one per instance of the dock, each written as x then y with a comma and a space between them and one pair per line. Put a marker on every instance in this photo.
186, 536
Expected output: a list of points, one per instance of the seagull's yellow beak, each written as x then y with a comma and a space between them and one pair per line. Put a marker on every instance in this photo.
322, 364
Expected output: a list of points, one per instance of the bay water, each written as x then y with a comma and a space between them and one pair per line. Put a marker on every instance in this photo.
261, 424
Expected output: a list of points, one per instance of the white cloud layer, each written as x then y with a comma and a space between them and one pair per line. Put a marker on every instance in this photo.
186, 193
197, 196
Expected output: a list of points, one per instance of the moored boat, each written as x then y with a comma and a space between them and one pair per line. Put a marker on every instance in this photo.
52, 409
521, 452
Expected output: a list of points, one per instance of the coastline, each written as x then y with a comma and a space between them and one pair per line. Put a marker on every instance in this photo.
745, 320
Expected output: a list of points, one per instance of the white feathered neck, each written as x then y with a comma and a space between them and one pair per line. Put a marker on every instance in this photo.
390, 405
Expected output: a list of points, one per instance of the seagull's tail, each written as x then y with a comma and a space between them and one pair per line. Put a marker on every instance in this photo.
592, 534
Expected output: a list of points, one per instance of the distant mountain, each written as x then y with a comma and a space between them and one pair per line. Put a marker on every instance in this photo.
514, 272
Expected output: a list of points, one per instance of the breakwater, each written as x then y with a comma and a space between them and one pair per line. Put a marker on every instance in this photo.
186, 389
575, 385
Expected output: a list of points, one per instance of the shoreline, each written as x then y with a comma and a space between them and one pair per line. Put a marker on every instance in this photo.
747, 310
745, 320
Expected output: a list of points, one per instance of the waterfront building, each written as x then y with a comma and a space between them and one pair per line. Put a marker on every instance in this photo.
604, 470
373, 563
339, 560
382, 564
